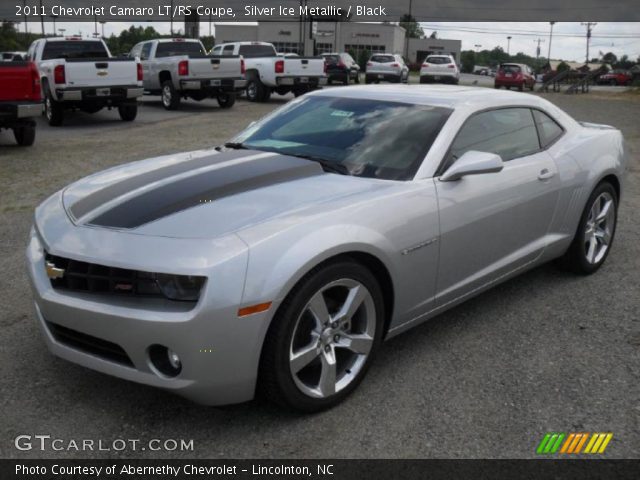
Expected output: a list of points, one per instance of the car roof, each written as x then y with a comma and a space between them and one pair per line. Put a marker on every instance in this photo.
436, 95
176, 39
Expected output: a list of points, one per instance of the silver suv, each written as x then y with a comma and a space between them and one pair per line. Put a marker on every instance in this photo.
386, 67
439, 68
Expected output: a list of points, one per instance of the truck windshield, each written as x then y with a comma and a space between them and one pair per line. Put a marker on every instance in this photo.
74, 49
171, 49
360, 137
253, 51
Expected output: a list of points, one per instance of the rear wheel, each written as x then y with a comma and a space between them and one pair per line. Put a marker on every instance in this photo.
25, 135
53, 111
226, 99
323, 338
170, 97
256, 91
357, 78
595, 233
128, 112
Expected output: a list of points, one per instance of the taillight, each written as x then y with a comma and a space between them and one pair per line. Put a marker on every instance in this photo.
279, 66
243, 69
35, 86
452, 66
325, 66
369, 64
59, 74
183, 68
395, 64
140, 74
425, 65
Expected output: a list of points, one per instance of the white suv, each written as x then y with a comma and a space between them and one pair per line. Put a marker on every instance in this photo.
439, 68
386, 67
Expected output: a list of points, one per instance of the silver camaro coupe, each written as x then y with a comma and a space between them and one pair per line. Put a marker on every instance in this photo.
278, 263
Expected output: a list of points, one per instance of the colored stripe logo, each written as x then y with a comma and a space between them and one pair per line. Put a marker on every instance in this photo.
574, 443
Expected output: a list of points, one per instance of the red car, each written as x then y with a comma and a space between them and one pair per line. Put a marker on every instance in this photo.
20, 100
514, 75
616, 77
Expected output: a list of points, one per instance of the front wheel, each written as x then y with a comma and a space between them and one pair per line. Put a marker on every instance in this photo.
128, 112
170, 97
323, 338
25, 135
595, 233
226, 99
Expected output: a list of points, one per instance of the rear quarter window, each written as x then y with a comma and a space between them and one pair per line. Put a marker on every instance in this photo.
548, 128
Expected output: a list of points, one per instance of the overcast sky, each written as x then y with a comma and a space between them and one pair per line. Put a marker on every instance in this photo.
569, 39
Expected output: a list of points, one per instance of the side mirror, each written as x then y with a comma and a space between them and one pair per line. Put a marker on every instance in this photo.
472, 163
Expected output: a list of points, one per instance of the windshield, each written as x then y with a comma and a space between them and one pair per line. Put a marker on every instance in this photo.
360, 137
171, 49
74, 49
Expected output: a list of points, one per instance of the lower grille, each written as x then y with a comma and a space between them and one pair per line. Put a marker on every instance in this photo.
89, 344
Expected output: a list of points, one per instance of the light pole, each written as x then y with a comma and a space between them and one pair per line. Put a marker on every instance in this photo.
508, 44
62, 30
53, 17
550, 38
102, 22
171, 29
42, 20
589, 25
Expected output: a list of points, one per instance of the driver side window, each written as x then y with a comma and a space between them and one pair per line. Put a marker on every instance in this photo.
508, 132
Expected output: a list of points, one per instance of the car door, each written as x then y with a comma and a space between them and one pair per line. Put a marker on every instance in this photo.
150, 81
493, 224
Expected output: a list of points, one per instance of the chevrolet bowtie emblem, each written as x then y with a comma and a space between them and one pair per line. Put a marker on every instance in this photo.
102, 73
53, 272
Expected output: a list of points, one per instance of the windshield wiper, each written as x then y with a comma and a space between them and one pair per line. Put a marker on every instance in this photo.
233, 146
327, 165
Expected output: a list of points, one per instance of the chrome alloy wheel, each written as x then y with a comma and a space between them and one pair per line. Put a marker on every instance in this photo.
599, 228
332, 338
47, 107
166, 95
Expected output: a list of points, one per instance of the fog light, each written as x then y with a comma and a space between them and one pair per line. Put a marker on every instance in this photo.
165, 360
174, 359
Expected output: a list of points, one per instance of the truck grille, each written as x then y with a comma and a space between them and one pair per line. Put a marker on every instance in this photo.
94, 278
88, 344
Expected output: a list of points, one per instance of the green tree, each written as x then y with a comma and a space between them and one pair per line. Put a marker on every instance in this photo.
609, 58
468, 60
363, 58
411, 26
562, 66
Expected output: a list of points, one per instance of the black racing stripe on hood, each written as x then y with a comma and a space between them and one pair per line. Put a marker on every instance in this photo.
204, 188
89, 203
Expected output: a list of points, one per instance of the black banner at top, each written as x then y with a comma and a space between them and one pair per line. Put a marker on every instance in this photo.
335, 10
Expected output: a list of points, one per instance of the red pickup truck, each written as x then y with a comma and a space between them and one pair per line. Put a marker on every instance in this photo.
20, 100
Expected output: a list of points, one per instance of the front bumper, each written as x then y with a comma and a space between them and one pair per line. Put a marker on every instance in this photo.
114, 94
219, 351
214, 84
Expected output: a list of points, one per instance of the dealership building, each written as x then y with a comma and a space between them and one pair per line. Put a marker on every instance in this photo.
296, 37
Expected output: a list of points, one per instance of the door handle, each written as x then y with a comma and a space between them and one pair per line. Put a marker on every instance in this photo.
545, 174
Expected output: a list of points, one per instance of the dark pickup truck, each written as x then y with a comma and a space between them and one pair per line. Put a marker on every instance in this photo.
20, 100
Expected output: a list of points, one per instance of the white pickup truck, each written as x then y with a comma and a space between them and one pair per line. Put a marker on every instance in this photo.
179, 68
80, 73
268, 72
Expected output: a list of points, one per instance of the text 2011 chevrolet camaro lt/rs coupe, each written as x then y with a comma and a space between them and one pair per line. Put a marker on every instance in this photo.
278, 262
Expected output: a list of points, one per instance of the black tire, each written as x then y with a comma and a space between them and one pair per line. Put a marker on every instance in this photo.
226, 99
357, 78
170, 96
367, 80
25, 135
53, 111
256, 91
575, 258
497, 87
128, 112
347, 79
424, 80
275, 381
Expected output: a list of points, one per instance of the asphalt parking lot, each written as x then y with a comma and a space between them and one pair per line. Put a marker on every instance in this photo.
547, 351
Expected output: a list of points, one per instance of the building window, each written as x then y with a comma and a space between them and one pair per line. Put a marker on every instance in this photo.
287, 47
357, 48
324, 48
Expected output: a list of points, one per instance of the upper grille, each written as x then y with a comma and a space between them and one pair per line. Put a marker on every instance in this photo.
95, 278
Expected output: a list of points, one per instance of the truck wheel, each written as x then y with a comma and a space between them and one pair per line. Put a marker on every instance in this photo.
128, 112
54, 111
256, 91
170, 97
25, 135
226, 99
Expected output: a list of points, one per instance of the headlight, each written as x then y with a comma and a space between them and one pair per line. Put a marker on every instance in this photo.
180, 287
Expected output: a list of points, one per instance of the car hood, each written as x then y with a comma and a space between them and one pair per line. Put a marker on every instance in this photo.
206, 194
